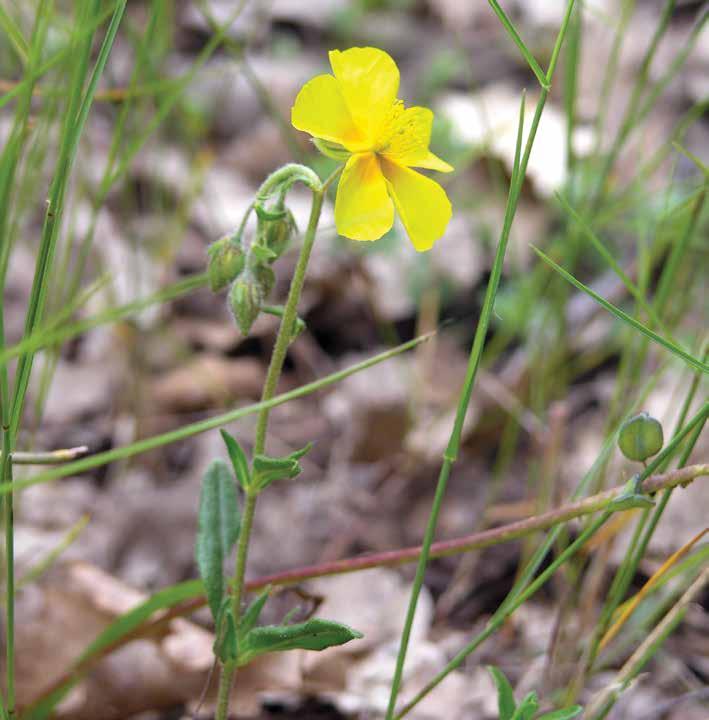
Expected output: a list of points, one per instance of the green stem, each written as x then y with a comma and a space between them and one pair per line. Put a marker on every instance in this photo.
280, 349
242, 553
476, 351
8, 520
287, 323
228, 670
226, 680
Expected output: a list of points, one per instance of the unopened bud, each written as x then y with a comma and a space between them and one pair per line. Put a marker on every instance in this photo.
277, 234
226, 261
248, 294
245, 300
640, 437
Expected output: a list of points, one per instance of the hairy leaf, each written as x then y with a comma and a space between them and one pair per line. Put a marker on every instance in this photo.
314, 634
217, 530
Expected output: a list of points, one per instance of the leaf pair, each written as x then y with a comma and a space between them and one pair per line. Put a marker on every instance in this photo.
217, 533
266, 470
527, 709
248, 641
219, 516
632, 496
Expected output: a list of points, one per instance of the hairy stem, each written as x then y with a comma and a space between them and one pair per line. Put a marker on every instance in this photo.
280, 349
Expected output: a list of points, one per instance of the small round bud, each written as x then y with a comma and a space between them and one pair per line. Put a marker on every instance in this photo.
226, 261
277, 234
640, 437
245, 300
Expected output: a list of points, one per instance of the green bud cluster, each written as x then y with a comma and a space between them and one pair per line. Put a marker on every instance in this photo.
249, 272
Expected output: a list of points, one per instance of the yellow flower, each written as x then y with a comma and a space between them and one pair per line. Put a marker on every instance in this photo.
355, 114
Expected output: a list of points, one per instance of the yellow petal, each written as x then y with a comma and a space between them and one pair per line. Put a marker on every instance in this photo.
433, 162
321, 111
422, 204
409, 138
363, 208
369, 80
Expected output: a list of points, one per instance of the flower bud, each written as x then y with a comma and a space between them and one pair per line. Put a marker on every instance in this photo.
248, 293
245, 300
279, 233
640, 437
226, 261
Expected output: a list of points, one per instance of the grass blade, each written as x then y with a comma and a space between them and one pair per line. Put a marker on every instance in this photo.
512, 31
46, 337
675, 349
14, 34
610, 261
157, 441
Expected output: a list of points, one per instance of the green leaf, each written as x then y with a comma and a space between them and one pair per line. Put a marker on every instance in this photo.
564, 714
217, 530
527, 709
505, 697
253, 612
238, 459
675, 349
314, 634
268, 469
607, 256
